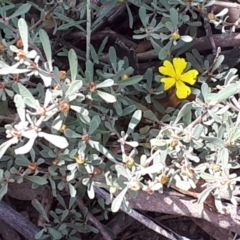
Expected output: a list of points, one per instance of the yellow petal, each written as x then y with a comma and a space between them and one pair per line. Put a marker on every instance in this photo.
183, 91
189, 77
179, 65
168, 83
167, 69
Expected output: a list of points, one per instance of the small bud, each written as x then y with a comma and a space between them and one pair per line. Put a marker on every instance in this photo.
80, 160
129, 161
163, 178
55, 161
134, 186
63, 128
86, 138
175, 35
124, 76
173, 143
19, 43
32, 166
211, 16
64, 107
62, 74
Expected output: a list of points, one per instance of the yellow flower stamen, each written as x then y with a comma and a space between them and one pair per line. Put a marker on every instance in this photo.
176, 77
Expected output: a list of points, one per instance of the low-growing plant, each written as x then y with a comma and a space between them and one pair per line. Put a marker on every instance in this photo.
90, 126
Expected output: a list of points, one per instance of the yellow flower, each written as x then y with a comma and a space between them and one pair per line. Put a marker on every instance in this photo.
177, 77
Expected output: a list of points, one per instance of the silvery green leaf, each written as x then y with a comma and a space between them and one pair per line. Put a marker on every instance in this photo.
150, 115
214, 116
57, 141
174, 18
94, 124
186, 38
47, 80
225, 93
105, 83
197, 131
4, 146
18, 100
25, 148
12, 69
136, 118
58, 121
26, 95
46, 47
121, 170
132, 144
109, 98
205, 193
73, 62
222, 13
185, 109
90, 191
80, 110
130, 81
218, 63
38, 206
55, 233
72, 190
223, 157
215, 141
102, 149
158, 142
156, 168
24, 8
116, 204
74, 87
71, 134
113, 58
23, 31
39, 234
48, 98
37, 179
3, 190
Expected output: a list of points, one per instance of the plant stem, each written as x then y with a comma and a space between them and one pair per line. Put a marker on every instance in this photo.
88, 37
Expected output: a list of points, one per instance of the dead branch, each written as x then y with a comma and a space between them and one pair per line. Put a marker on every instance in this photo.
18, 222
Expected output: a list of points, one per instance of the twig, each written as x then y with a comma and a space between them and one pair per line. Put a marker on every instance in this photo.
159, 228
118, 224
18, 222
93, 220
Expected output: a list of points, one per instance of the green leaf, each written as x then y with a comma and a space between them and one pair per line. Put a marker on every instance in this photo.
225, 93
58, 141
105, 83
109, 98
101, 149
95, 122
46, 47
72, 190
71, 134
122, 171
218, 63
3, 190
174, 18
26, 95
54, 233
113, 58
130, 81
38, 180
4, 146
185, 109
94, 54
73, 62
38, 206
136, 118
23, 31
74, 87
39, 234
116, 204
24, 8
204, 194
